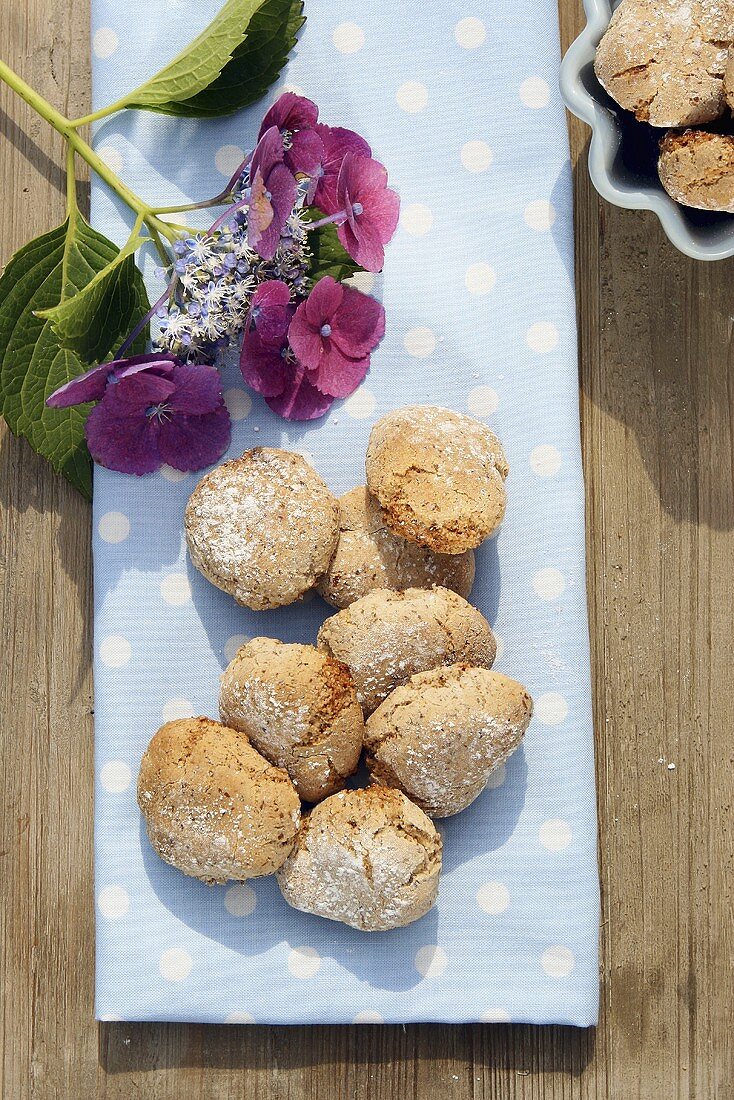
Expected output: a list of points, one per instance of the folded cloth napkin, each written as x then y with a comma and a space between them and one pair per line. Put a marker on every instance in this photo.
459, 100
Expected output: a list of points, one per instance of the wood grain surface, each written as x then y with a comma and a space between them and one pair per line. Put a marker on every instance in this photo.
657, 404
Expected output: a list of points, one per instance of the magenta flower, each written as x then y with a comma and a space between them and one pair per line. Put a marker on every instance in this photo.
300, 400
337, 142
270, 312
296, 118
333, 333
271, 369
91, 385
151, 410
272, 195
265, 344
370, 208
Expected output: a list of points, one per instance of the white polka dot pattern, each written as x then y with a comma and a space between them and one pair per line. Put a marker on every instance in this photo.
416, 219
476, 156
464, 112
493, 898
555, 835
240, 900
228, 159
348, 38
113, 902
304, 962
177, 708
175, 589
412, 97
113, 527
115, 776
534, 92
431, 961
419, 342
175, 965
105, 42
480, 278
470, 32
557, 961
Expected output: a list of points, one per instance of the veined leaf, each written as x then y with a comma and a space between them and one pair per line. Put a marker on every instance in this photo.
255, 66
200, 63
329, 257
82, 323
47, 272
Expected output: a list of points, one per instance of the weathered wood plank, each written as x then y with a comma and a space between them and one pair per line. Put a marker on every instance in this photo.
657, 405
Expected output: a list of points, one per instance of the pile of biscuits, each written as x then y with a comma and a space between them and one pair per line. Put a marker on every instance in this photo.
401, 675
671, 62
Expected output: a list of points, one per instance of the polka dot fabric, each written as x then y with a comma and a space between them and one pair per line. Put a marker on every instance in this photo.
480, 317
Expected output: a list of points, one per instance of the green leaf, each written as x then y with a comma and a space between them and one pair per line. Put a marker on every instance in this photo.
200, 63
328, 255
255, 65
47, 272
88, 321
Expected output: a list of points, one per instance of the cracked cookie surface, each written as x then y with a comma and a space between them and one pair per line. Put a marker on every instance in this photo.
262, 527
387, 637
440, 736
697, 169
439, 477
368, 858
299, 708
664, 60
370, 556
213, 806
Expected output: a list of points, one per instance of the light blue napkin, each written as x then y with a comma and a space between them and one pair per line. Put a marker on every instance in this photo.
459, 100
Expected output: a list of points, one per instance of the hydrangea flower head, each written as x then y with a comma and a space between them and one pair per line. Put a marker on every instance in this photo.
370, 208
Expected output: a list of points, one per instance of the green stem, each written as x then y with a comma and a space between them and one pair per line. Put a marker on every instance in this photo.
205, 205
77, 144
71, 206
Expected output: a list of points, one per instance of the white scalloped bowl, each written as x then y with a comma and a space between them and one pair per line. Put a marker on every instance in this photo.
623, 152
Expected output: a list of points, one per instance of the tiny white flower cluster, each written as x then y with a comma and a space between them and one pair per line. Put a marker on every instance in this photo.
216, 275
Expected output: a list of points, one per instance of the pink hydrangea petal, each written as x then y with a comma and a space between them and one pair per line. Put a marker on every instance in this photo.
305, 338
282, 187
384, 212
128, 444
89, 386
268, 152
364, 245
306, 152
262, 366
193, 442
358, 325
323, 301
300, 400
198, 390
133, 395
337, 143
260, 213
337, 375
290, 112
274, 292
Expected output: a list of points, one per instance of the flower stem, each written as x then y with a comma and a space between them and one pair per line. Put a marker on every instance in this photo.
205, 205
337, 219
71, 206
78, 145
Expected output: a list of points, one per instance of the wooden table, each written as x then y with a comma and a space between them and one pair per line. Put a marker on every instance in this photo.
657, 403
